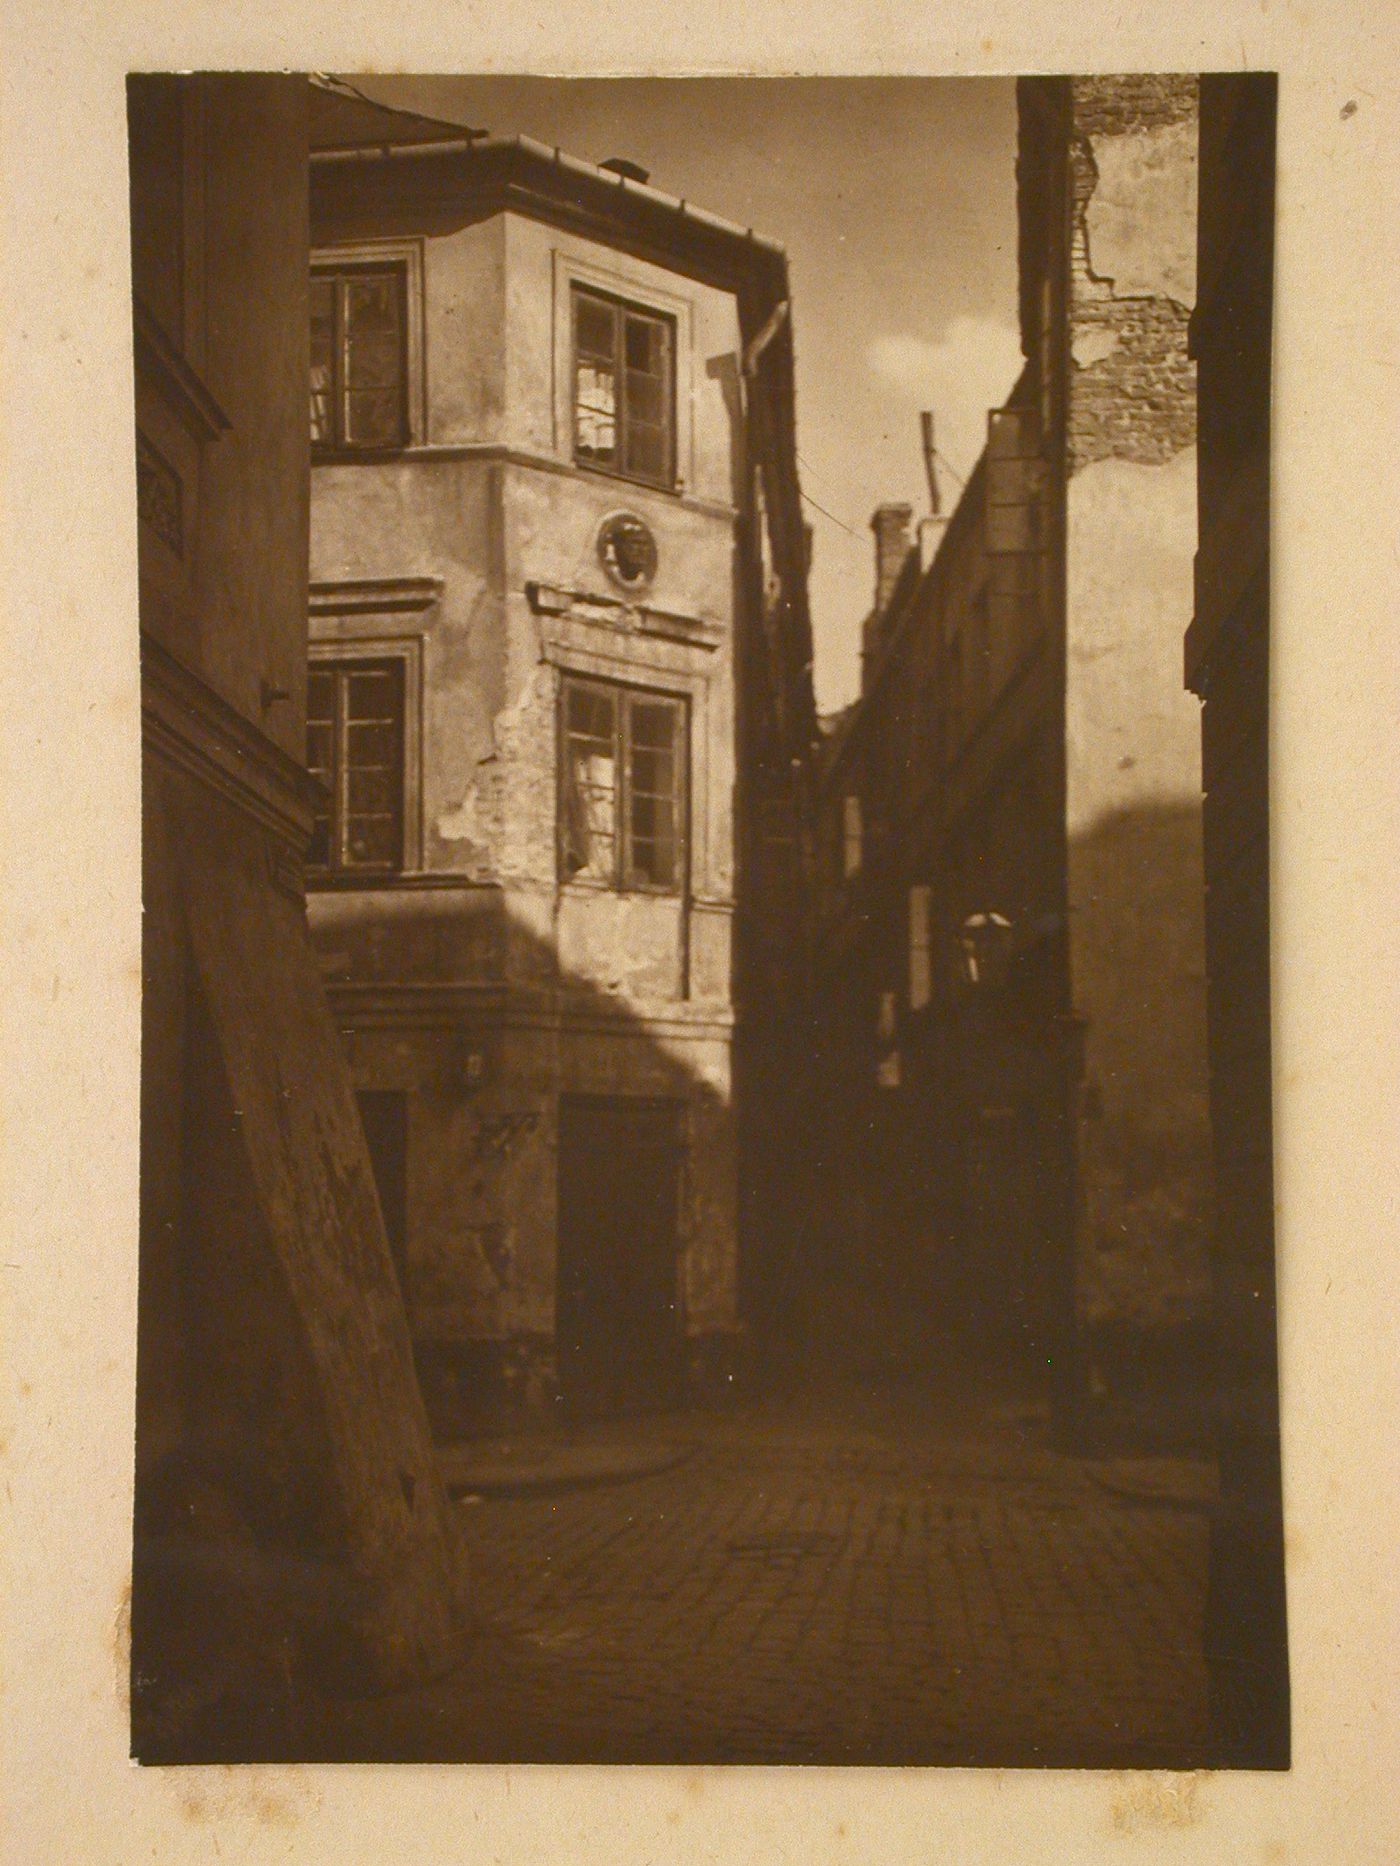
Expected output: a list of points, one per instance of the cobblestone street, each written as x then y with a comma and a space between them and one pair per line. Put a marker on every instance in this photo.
882, 1580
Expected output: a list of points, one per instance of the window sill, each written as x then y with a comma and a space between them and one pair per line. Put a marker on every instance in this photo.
345, 455
671, 488
577, 885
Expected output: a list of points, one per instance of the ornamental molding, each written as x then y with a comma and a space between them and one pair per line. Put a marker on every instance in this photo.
623, 617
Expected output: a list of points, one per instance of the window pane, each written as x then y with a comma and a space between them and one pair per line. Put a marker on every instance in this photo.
319, 741
643, 344
593, 712
653, 773
594, 327
595, 379
654, 723
373, 841
355, 711
654, 793
648, 391
373, 348
372, 694
322, 359
595, 412
320, 695
644, 400
372, 417
589, 804
372, 791
372, 744
654, 858
648, 452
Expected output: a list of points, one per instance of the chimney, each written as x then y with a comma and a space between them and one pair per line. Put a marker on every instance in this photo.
935, 506
893, 544
629, 171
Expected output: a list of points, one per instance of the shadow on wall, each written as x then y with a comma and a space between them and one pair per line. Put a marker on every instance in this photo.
240, 1569
1137, 938
586, 1208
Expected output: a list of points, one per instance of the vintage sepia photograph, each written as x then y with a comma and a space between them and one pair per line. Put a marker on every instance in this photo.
706, 1156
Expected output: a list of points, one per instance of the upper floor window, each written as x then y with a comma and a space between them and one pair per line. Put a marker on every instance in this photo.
359, 356
355, 746
622, 803
852, 835
624, 388
920, 946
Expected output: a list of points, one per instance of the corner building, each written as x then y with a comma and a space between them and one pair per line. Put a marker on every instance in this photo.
559, 657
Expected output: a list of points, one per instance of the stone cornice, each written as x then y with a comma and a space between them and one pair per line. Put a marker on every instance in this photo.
375, 596
452, 1006
195, 729
627, 618
179, 385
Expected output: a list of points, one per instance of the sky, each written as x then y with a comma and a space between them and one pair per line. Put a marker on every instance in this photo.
895, 199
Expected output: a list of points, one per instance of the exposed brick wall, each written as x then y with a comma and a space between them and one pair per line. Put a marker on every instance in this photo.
1112, 106
1133, 387
1139, 402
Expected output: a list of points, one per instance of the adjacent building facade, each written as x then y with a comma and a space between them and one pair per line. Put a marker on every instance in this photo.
286, 1500
1012, 811
1227, 666
560, 702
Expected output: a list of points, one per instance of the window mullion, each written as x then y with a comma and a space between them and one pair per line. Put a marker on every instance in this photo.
342, 364
623, 854
342, 769
624, 445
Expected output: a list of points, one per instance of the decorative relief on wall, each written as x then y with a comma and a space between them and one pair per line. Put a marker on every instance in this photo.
627, 550
159, 496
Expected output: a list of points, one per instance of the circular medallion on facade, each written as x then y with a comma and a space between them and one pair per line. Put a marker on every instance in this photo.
627, 550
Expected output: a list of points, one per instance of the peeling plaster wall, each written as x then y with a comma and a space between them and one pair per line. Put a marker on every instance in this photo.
1133, 779
491, 508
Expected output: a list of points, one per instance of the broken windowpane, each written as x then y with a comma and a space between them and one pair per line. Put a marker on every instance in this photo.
322, 360
624, 388
622, 803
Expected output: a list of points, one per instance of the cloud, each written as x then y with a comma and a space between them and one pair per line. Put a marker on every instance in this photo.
969, 369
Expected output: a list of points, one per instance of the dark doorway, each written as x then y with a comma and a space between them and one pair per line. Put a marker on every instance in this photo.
618, 1320
384, 1113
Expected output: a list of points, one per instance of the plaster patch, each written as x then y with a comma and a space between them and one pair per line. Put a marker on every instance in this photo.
1141, 217
462, 823
1093, 345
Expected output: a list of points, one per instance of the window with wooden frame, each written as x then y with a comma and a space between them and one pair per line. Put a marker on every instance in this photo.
359, 356
355, 746
622, 805
624, 388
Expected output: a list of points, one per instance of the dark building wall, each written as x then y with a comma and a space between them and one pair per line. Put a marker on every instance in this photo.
1108, 201
285, 1492
1022, 749
934, 1153
1227, 666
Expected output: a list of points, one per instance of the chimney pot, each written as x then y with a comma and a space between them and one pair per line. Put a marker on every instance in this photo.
893, 543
